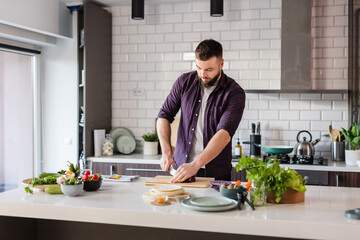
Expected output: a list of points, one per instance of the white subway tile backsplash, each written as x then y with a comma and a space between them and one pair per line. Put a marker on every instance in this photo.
299, 105
173, 18
192, 17
151, 54
289, 115
259, 104
220, 26
310, 115
146, 29
331, 115
201, 27
259, 24
192, 37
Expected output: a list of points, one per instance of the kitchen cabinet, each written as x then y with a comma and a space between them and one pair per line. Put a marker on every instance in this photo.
344, 179
94, 71
143, 170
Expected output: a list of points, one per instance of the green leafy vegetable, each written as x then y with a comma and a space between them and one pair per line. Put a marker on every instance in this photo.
44, 174
73, 168
352, 135
28, 190
43, 181
275, 178
73, 181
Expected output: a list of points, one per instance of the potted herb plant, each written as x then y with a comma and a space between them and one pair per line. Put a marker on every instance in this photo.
352, 136
151, 142
272, 183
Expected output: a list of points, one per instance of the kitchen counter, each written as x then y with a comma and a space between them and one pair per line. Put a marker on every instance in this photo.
321, 216
139, 158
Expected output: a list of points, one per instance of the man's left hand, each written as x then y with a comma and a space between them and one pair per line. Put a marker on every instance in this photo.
184, 172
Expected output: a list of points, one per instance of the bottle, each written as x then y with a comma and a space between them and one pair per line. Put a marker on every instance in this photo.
108, 146
238, 148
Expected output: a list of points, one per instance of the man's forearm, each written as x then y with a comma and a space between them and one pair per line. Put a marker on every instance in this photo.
164, 133
217, 143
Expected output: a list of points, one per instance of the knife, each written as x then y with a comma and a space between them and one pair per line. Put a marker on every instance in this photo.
258, 128
253, 128
172, 171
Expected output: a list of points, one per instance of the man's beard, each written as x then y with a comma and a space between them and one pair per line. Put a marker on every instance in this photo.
211, 83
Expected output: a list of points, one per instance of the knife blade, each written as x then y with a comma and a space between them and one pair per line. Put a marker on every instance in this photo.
172, 171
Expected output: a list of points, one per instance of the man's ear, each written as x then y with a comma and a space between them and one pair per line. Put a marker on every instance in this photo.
222, 63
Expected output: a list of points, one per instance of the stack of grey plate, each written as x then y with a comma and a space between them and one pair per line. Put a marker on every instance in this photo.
124, 140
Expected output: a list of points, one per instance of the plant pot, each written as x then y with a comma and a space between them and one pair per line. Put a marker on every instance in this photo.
150, 148
351, 157
289, 196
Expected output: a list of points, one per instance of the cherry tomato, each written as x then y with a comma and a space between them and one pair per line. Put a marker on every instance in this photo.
86, 177
95, 176
87, 173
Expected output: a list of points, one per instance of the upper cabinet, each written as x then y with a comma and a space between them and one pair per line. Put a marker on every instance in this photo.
94, 29
313, 43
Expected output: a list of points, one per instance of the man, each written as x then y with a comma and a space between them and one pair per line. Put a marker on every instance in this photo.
211, 106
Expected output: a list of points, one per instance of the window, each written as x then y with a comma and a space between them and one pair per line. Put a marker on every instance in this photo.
20, 131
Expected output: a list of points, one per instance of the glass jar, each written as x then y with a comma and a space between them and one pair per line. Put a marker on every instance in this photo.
108, 146
258, 193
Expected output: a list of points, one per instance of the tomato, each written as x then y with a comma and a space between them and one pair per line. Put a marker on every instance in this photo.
86, 177
95, 176
87, 173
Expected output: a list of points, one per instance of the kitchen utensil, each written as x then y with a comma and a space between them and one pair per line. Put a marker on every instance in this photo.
216, 184
210, 201
172, 171
335, 135
186, 203
277, 149
253, 128
242, 198
201, 182
150, 195
255, 150
258, 128
305, 148
126, 144
231, 193
338, 151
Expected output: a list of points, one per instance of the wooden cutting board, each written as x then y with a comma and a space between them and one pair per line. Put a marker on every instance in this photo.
201, 182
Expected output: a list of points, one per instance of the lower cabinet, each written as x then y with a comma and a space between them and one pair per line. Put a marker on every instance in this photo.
143, 170
344, 179
241, 175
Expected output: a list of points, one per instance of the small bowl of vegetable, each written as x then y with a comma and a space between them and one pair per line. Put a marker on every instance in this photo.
72, 187
92, 182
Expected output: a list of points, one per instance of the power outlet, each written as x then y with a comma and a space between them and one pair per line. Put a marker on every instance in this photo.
138, 92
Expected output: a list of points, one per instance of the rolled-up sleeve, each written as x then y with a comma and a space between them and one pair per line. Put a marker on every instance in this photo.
172, 102
233, 112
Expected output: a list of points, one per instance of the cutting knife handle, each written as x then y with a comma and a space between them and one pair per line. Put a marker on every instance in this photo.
253, 128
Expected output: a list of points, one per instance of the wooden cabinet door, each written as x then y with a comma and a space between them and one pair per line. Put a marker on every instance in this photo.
344, 179
241, 175
143, 170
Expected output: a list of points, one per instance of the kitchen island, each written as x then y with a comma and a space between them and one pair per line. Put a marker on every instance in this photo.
119, 211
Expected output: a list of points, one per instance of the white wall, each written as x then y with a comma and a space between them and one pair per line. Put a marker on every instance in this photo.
150, 54
60, 100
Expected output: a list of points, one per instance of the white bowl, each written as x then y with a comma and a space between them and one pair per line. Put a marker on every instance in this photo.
358, 163
71, 190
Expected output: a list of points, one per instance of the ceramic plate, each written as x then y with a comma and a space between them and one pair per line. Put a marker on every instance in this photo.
186, 203
210, 201
117, 132
125, 144
166, 187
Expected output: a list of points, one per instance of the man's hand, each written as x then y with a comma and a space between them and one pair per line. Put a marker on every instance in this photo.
185, 171
166, 161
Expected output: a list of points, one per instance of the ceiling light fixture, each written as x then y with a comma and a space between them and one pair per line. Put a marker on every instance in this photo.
216, 8
137, 9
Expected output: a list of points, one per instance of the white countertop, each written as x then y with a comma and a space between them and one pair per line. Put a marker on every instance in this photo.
141, 159
321, 216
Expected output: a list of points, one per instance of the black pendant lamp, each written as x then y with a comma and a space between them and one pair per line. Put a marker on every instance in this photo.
216, 8
137, 9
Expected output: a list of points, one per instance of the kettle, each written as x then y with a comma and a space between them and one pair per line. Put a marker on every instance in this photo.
305, 148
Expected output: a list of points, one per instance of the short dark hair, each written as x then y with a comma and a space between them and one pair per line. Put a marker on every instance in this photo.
208, 49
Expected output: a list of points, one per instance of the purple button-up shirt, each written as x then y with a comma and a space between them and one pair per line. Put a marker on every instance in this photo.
224, 110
